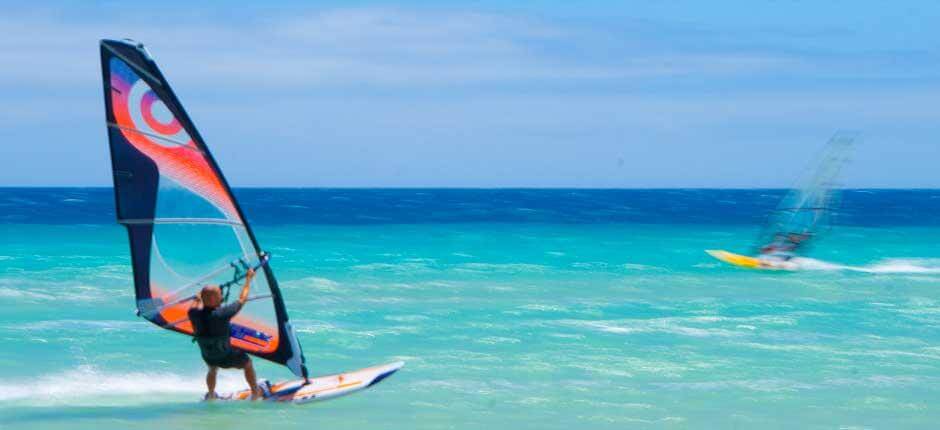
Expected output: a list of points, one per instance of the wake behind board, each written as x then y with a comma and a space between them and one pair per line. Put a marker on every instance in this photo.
752, 262
321, 388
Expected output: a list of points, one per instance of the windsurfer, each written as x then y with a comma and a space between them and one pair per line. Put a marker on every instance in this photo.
784, 245
212, 328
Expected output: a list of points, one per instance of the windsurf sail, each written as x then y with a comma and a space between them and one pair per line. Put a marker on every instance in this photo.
185, 226
806, 211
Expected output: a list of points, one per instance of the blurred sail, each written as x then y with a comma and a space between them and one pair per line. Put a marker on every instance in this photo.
805, 212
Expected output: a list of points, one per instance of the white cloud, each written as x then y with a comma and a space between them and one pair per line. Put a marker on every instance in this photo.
380, 47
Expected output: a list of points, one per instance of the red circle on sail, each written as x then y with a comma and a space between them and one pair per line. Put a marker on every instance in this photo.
146, 108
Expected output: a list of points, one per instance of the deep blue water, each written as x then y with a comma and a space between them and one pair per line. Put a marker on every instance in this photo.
428, 206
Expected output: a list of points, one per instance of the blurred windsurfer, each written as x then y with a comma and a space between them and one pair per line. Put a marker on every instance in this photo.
784, 245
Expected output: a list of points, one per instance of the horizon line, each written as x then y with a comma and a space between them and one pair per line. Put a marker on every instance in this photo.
288, 187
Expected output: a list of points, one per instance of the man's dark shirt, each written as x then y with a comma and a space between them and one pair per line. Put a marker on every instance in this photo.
213, 322
212, 328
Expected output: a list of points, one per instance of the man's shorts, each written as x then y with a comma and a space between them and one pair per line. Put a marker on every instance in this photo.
236, 359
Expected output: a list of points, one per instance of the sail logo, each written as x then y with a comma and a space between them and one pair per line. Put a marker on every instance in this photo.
150, 126
150, 115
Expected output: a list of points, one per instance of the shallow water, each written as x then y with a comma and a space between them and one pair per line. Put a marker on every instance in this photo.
562, 320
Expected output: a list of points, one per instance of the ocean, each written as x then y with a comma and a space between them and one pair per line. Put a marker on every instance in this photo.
514, 309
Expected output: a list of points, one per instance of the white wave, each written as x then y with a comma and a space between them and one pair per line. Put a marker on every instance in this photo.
501, 268
40, 289
804, 263
664, 368
770, 385
282, 248
66, 292
14, 293
494, 340
655, 325
543, 308
633, 266
400, 286
88, 385
312, 327
407, 318
784, 385
886, 266
882, 381
408, 267
424, 260
566, 336
81, 325
467, 386
313, 282
692, 326
904, 265
591, 265
607, 371
926, 353
533, 401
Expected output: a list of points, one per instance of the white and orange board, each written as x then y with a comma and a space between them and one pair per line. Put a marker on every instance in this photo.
324, 387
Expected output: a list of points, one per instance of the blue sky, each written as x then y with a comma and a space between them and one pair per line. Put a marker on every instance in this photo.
485, 94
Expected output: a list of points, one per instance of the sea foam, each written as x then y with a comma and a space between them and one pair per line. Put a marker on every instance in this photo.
89, 385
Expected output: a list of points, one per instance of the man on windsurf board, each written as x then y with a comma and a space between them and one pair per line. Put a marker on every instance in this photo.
784, 246
212, 328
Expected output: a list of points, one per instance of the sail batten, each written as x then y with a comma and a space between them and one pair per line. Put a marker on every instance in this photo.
169, 189
152, 135
180, 221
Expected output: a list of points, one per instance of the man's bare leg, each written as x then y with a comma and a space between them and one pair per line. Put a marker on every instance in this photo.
210, 382
252, 380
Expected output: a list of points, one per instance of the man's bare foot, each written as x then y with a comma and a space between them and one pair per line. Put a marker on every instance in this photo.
257, 394
211, 396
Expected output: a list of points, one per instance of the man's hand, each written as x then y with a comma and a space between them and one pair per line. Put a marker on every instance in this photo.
243, 297
197, 301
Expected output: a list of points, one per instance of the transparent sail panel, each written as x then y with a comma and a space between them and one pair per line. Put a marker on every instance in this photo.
177, 202
187, 257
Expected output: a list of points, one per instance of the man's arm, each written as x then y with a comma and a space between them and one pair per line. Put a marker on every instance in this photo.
229, 310
243, 297
196, 302
194, 307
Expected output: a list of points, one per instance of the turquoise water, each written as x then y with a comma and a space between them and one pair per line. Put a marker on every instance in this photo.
502, 326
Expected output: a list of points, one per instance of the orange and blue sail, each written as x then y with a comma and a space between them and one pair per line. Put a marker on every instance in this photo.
185, 226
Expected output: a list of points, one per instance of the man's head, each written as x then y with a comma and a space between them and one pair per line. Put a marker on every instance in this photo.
211, 296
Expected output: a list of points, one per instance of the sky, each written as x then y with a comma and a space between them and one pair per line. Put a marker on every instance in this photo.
491, 94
